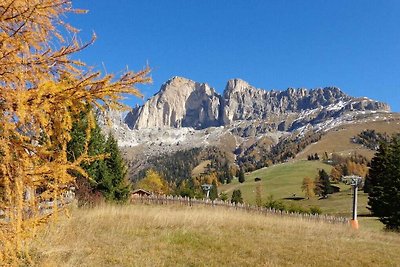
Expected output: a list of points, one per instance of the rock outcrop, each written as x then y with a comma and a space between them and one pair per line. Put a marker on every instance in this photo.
179, 103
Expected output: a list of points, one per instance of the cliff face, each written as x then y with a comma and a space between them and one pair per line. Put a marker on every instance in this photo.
185, 103
244, 102
179, 103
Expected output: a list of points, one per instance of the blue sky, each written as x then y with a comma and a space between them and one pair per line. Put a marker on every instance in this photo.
354, 45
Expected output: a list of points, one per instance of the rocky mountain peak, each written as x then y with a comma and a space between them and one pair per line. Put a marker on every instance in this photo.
236, 85
179, 103
185, 103
175, 83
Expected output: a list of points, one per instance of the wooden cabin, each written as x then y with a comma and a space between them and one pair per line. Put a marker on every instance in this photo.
140, 193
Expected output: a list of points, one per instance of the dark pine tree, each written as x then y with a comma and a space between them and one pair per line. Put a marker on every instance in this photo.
377, 177
237, 196
118, 188
392, 186
214, 191
323, 185
241, 176
384, 193
221, 177
107, 177
367, 184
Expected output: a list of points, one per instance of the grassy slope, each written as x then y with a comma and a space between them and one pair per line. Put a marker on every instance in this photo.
338, 140
201, 168
184, 236
283, 180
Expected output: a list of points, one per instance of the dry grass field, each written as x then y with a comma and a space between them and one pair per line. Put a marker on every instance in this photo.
140, 235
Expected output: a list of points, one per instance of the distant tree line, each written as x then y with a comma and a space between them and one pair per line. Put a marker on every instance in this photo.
313, 157
175, 167
178, 166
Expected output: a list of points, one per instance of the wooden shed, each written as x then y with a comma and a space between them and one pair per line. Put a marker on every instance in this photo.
140, 193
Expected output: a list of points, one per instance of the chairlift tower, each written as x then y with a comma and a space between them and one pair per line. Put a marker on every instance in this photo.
355, 182
206, 189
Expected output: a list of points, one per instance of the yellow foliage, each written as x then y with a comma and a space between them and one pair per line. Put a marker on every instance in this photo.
153, 182
336, 173
209, 178
357, 168
41, 90
205, 179
308, 187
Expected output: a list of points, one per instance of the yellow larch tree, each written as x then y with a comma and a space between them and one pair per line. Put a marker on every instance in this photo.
153, 182
41, 89
336, 173
308, 187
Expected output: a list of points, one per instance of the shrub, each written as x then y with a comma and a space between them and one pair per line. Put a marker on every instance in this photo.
315, 210
275, 204
236, 196
223, 196
297, 209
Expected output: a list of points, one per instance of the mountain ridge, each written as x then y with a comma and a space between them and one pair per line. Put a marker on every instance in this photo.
181, 102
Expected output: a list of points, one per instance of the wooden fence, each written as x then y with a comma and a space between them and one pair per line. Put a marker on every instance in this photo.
185, 201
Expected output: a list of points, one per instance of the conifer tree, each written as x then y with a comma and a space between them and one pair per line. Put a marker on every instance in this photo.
214, 191
241, 176
86, 189
377, 177
237, 196
229, 177
107, 175
367, 185
322, 184
384, 184
115, 186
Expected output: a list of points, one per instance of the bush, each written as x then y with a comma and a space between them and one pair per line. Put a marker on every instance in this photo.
292, 208
275, 204
236, 196
297, 209
223, 196
315, 210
